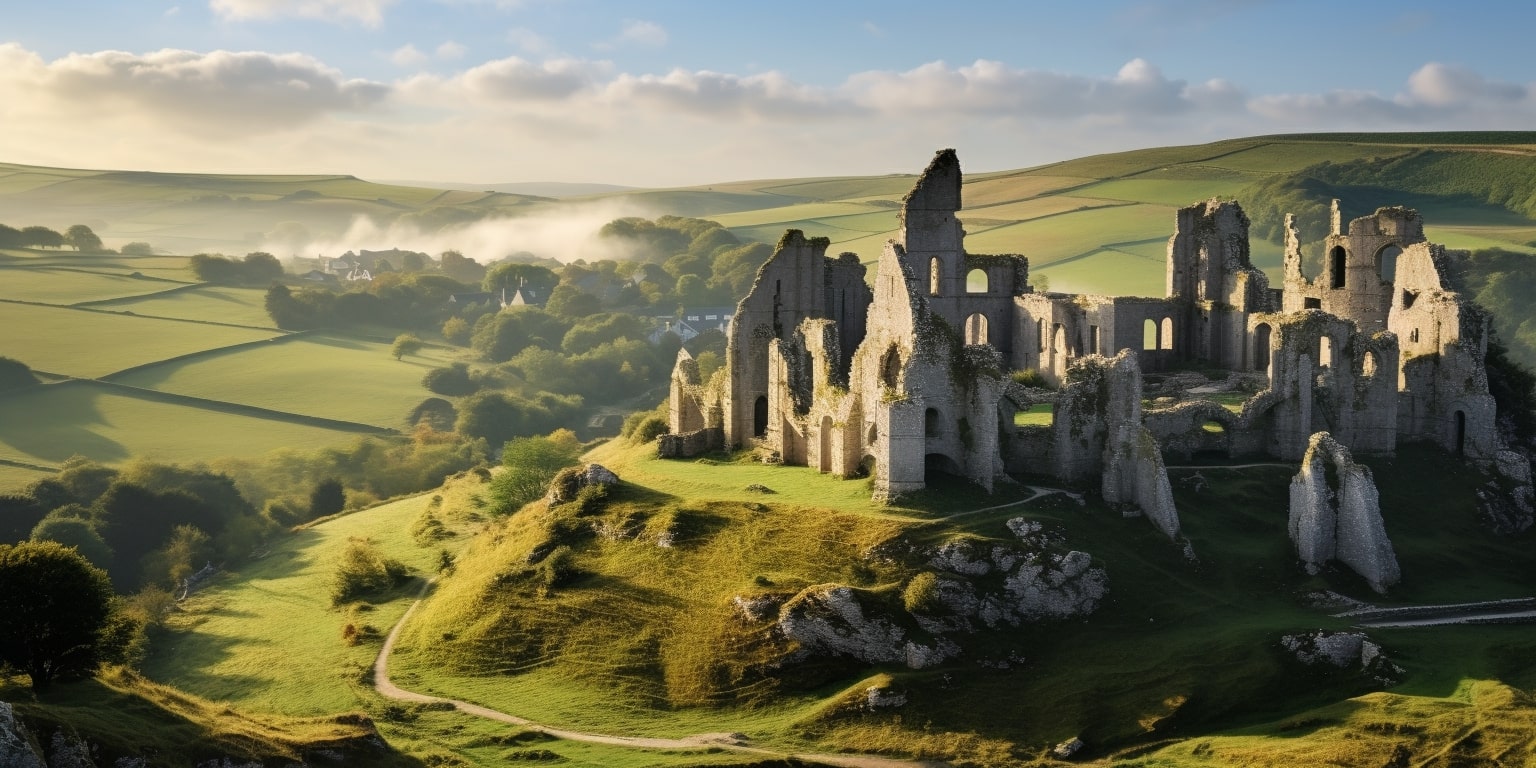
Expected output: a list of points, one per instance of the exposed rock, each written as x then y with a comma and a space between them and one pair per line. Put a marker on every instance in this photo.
759, 488
1344, 650
884, 697
1353, 533
757, 607
832, 619
1037, 584
17, 750
1506, 504
964, 556
569, 482
1068, 748
68, 750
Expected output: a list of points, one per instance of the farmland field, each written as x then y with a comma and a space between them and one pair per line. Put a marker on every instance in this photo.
222, 304
89, 344
74, 286
328, 376
48, 424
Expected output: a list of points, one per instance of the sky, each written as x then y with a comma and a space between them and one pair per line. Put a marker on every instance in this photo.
659, 94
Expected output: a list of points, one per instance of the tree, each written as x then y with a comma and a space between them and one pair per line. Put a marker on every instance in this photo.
137, 248
327, 498
41, 237
56, 606
456, 330
76, 533
261, 267
82, 238
405, 344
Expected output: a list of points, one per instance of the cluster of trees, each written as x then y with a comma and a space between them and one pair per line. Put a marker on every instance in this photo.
257, 268
80, 237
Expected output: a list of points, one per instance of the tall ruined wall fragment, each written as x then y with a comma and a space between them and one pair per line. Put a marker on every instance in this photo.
1210, 272
1342, 524
1358, 267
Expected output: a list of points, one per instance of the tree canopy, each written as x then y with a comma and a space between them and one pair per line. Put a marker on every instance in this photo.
56, 607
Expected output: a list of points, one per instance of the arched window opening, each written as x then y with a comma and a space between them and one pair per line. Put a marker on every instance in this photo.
760, 416
1369, 365
1337, 261
1213, 428
826, 444
1149, 334
1261, 342
1324, 351
890, 367
874, 434
931, 423
976, 281
1165, 339
1386, 262
935, 274
1059, 340
976, 329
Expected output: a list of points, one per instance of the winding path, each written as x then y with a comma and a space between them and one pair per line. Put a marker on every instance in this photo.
734, 742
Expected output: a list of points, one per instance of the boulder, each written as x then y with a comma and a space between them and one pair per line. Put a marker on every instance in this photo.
17, 749
569, 482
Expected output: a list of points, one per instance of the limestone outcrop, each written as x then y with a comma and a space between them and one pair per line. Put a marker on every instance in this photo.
1343, 650
569, 482
17, 749
1342, 524
838, 620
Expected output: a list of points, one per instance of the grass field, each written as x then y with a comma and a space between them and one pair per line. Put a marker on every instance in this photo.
48, 424
328, 376
215, 303
89, 344
58, 286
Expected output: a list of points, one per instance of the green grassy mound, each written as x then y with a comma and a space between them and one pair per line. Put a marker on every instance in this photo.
625, 636
123, 715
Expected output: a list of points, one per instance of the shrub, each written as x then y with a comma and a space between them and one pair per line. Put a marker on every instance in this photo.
559, 567
922, 593
650, 429
364, 570
1030, 377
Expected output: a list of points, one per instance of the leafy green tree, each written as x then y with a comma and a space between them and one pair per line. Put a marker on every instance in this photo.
453, 381
137, 248
260, 267
183, 555
77, 533
528, 465
456, 330
363, 570
327, 498
511, 276
460, 267
568, 302
56, 607
81, 238
41, 237
405, 344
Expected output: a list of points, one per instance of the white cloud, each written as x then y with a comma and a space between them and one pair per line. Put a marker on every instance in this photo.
368, 12
712, 93
450, 51
643, 33
511, 80
1444, 85
407, 56
1437, 96
186, 91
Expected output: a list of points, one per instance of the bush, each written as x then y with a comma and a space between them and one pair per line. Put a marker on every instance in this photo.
559, 567
649, 429
922, 593
453, 381
364, 570
1030, 377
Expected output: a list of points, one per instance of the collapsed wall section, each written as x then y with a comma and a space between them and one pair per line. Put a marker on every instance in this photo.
1342, 524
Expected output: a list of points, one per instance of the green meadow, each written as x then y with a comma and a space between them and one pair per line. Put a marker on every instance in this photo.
322, 375
89, 344
48, 423
210, 303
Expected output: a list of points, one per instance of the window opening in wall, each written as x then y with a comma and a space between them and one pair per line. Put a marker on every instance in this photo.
1461, 433
1386, 262
874, 434
826, 444
1337, 260
1165, 341
1261, 334
976, 281
1059, 340
1093, 339
976, 329
1040, 326
935, 272
760, 416
890, 367
931, 423
1369, 365
1413, 335
1324, 351
1409, 297
1149, 334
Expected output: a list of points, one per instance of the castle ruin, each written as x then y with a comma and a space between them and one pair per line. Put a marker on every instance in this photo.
913, 375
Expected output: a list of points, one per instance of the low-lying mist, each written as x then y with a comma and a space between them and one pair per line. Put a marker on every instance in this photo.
566, 233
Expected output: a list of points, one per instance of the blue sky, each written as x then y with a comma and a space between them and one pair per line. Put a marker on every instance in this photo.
672, 93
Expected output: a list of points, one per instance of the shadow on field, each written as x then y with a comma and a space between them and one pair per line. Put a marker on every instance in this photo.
53, 422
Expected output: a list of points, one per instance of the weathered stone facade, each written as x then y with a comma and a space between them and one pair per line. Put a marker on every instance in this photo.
911, 376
